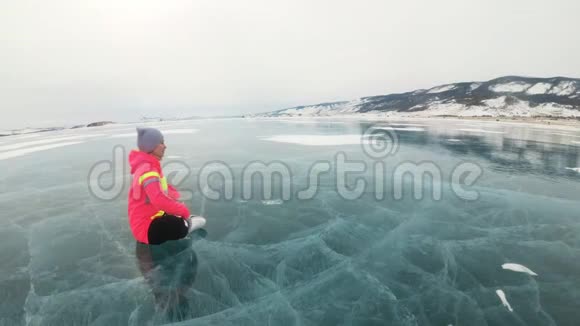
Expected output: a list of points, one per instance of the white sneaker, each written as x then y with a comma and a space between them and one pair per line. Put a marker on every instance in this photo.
195, 222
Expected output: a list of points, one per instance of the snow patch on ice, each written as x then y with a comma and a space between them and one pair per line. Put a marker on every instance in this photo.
408, 124
178, 131
513, 87
164, 132
482, 131
518, 268
303, 121
272, 202
133, 134
539, 88
44, 141
21, 152
317, 140
25, 136
503, 299
453, 140
574, 169
400, 129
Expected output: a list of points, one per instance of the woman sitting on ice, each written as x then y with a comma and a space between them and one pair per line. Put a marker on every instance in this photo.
155, 214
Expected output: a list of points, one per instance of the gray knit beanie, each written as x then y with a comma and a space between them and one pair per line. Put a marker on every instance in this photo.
148, 139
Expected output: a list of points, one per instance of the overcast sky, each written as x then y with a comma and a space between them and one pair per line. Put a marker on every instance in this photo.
79, 61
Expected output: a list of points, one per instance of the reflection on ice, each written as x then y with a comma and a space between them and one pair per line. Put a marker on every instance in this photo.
170, 271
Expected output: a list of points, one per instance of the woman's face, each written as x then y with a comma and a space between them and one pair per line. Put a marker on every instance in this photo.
159, 151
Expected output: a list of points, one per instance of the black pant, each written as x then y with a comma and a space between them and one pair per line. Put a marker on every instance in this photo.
167, 227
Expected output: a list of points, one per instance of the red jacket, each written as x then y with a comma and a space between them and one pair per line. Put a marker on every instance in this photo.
150, 196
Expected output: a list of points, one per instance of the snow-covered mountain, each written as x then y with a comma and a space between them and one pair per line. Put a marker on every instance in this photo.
506, 96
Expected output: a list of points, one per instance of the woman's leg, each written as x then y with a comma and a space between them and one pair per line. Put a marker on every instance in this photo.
167, 227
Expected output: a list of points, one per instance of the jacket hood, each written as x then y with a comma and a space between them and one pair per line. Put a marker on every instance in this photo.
137, 158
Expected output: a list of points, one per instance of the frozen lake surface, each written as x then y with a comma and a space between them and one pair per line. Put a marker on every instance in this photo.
510, 257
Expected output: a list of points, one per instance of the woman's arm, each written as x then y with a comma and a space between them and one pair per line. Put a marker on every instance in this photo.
163, 202
173, 192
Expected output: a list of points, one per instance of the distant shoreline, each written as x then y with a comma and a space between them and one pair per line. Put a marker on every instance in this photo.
552, 121
515, 120
555, 122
